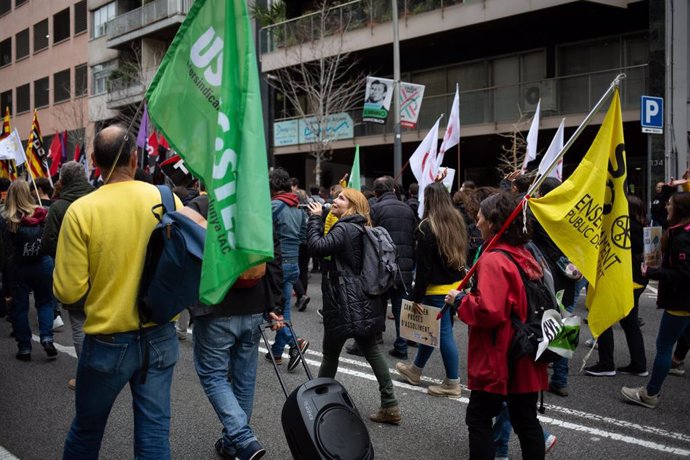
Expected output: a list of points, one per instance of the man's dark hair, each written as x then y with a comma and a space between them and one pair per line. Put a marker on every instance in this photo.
279, 181
383, 184
413, 189
497, 208
106, 147
43, 184
522, 183
294, 182
313, 189
549, 184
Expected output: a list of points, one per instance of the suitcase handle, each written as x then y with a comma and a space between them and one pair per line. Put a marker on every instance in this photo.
262, 329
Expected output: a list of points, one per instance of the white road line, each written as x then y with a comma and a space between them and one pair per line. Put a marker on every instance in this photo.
61, 348
6, 454
548, 420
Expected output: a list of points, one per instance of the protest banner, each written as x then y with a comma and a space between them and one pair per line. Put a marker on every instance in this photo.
421, 328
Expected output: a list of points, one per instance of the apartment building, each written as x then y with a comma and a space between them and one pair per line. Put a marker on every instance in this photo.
506, 56
43, 66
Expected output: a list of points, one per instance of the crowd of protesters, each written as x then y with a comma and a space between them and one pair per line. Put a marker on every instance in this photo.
60, 242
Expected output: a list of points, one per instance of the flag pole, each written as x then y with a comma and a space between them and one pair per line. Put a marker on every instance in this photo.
539, 180
458, 165
28, 169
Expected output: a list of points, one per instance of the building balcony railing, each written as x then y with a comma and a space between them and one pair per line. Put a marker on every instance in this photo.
343, 18
561, 96
124, 91
145, 15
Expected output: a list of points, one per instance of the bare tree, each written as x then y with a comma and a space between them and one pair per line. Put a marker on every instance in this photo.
512, 156
323, 80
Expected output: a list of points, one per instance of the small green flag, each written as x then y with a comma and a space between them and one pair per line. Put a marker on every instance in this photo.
205, 99
354, 181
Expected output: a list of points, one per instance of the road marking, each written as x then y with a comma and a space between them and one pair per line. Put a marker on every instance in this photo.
61, 348
548, 420
6, 454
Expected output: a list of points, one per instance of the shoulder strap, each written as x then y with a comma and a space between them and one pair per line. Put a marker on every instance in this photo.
523, 275
167, 198
281, 207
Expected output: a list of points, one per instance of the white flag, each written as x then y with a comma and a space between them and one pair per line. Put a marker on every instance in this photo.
532, 136
423, 162
11, 148
452, 136
551, 154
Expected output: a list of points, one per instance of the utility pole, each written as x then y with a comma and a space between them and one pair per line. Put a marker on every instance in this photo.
397, 141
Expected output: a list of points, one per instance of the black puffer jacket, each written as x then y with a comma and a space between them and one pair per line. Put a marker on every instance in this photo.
347, 310
674, 273
400, 221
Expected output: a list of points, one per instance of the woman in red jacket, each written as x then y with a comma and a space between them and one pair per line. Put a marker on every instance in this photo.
499, 291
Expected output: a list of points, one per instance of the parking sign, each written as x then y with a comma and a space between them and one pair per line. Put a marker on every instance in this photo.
652, 114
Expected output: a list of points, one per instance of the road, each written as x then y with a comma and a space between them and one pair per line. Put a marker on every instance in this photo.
36, 406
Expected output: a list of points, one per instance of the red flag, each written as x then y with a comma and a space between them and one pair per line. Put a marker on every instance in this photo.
55, 154
152, 145
164, 142
77, 153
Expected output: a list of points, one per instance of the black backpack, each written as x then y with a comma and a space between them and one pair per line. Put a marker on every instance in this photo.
379, 261
529, 334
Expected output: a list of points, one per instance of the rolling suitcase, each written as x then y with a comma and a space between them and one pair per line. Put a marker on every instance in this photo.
320, 419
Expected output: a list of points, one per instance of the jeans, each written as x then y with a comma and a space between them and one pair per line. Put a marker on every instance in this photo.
502, 429
372, 353
37, 277
682, 346
396, 296
283, 336
222, 343
76, 322
106, 365
449, 348
671, 328
484, 406
633, 336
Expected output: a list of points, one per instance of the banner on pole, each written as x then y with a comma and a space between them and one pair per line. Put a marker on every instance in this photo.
377, 100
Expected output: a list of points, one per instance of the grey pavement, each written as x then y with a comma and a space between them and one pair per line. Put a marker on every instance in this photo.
36, 406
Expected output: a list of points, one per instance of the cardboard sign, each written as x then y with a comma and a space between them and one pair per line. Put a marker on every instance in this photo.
652, 246
421, 328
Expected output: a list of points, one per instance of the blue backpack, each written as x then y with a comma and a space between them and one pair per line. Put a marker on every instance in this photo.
172, 268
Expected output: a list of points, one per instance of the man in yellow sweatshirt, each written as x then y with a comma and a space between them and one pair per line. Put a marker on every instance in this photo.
100, 258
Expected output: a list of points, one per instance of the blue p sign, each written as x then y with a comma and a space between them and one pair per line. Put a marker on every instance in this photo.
652, 114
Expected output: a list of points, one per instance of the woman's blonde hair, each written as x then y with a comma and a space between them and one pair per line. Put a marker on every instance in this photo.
18, 204
447, 225
358, 204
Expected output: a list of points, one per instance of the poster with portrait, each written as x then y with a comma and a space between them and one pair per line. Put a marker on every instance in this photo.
652, 246
420, 327
377, 100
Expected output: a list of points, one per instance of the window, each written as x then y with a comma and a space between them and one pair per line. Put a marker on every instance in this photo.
21, 43
100, 74
101, 16
5, 6
41, 35
61, 26
23, 98
5, 52
79, 17
80, 83
6, 101
61, 86
17, 3
41, 90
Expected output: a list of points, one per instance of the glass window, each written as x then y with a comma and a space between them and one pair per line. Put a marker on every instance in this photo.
101, 16
41, 91
41, 35
6, 101
99, 76
23, 98
80, 80
506, 76
5, 6
434, 81
61, 26
473, 78
590, 56
61, 86
79, 17
19, 2
5, 52
21, 43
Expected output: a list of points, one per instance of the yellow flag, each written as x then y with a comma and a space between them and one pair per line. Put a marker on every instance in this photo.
587, 218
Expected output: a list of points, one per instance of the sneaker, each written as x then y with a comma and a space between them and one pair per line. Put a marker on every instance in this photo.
677, 368
49, 347
72, 384
253, 451
279, 359
640, 396
294, 353
629, 370
223, 451
390, 415
354, 350
397, 354
600, 371
301, 303
58, 322
446, 389
320, 313
549, 442
412, 373
23, 355
590, 343
558, 391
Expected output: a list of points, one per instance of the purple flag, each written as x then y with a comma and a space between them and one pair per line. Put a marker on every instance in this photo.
143, 129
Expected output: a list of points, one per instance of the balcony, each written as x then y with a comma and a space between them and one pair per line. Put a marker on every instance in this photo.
159, 19
124, 91
489, 111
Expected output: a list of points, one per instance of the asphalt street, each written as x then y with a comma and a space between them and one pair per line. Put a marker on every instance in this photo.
36, 406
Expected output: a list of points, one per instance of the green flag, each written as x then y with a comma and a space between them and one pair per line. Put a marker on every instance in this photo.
205, 100
354, 181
